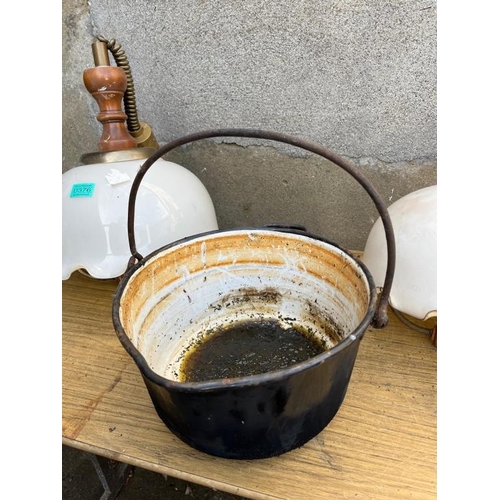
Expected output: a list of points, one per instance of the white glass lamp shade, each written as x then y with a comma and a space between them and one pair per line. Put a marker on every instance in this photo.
414, 219
171, 203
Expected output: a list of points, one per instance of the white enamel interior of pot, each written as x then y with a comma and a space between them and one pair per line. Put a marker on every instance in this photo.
233, 276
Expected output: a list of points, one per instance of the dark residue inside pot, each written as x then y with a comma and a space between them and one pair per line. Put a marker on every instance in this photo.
249, 348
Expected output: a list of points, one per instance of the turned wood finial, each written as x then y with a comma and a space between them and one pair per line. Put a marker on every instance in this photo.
107, 84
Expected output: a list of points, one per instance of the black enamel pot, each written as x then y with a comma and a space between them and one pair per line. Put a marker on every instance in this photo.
168, 299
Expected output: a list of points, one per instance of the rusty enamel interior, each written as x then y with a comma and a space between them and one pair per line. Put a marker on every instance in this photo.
230, 276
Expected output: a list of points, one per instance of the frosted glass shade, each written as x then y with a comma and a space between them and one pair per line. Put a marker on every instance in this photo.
414, 217
172, 203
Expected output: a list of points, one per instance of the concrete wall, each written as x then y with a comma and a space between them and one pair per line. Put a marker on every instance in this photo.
357, 76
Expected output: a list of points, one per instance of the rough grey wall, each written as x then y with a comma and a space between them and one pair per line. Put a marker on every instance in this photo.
357, 76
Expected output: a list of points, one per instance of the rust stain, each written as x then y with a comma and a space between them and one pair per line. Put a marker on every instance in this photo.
73, 429
324, 264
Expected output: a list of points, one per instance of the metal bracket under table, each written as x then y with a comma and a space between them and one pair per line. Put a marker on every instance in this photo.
112, 475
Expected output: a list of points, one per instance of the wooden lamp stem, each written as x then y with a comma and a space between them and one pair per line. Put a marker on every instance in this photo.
107, 84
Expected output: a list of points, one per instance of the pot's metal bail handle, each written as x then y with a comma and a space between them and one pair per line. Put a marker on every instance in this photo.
380, 319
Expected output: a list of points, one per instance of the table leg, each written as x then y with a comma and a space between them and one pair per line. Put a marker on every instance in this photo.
112, 475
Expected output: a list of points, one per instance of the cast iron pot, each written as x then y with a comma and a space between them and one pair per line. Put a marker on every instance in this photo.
167, 299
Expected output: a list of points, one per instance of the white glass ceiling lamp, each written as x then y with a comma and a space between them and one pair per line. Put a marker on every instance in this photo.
172, 203
414, 219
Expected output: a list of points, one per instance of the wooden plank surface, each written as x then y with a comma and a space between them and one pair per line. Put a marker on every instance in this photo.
380, 445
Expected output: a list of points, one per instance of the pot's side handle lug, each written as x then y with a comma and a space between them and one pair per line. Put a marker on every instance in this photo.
294, 227
380, 319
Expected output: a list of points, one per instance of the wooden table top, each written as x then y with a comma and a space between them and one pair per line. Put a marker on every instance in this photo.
380, 445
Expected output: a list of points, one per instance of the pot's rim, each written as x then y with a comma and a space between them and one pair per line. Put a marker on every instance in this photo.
211, 385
